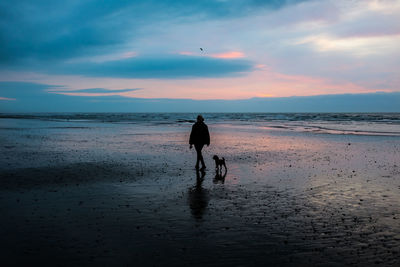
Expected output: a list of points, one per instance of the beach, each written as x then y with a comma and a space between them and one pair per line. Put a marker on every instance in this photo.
79, 192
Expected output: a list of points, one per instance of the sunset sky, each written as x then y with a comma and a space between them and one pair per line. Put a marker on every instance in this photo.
119, 50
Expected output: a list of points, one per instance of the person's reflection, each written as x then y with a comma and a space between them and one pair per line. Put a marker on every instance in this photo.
219, 177
198, 196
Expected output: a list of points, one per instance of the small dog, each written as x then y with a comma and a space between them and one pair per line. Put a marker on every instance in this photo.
219, 163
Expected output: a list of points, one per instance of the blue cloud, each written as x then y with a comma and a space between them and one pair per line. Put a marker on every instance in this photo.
97, 91
41, 93
160, 67
51, 30
25, 90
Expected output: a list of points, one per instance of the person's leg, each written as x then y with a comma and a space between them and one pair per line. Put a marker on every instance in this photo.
202, 161
199, 156
198, 159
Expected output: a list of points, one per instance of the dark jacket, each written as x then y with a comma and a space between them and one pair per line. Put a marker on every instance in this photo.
199, 134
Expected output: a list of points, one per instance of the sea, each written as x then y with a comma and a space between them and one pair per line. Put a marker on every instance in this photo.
386, 124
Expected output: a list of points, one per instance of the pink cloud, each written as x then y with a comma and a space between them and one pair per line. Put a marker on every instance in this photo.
7, 99
260, 66
129, 54
229, 55
185, 53
225, 55
265, 82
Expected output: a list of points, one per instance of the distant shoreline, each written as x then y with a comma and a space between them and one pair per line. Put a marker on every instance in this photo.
378, 124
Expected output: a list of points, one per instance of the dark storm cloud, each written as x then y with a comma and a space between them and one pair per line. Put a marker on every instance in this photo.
48, 30
51, 30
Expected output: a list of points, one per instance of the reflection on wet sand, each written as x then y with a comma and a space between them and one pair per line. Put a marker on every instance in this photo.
219, 177
198, 196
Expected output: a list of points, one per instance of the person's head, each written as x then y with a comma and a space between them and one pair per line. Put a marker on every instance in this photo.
200, 118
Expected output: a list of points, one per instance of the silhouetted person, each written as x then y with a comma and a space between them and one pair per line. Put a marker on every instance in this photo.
198, 196
199, 137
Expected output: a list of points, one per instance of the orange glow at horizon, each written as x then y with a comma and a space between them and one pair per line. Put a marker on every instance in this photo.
264, 82
265, 95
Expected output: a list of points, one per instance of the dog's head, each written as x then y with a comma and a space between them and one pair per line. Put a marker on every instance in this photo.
215, 157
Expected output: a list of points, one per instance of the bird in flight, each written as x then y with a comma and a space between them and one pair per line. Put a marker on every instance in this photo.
201, 49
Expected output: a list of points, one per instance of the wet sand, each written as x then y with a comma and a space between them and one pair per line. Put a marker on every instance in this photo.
113, 194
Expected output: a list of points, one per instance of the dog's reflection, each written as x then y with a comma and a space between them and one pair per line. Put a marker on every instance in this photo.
219, 177
198, 196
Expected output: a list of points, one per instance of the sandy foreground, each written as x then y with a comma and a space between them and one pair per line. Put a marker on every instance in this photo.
122, 194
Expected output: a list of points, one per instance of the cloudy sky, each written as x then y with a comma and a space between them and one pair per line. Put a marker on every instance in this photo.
109, 51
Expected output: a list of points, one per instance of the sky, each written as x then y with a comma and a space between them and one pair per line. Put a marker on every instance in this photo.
211, 55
